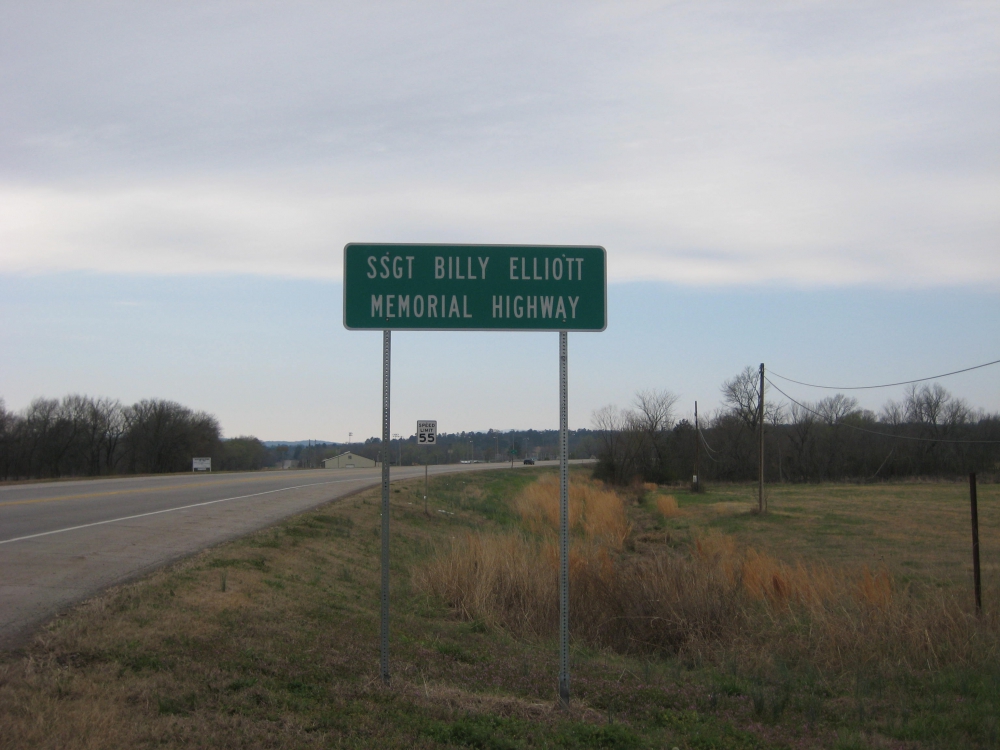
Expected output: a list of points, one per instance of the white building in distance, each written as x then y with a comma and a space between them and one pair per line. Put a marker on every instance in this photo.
348, 460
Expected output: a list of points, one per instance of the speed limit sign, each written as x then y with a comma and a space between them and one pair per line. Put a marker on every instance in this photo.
427, 431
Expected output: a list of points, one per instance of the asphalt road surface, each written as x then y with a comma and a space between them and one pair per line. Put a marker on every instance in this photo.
63, 542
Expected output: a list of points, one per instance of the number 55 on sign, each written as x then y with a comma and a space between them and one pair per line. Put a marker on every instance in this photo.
427, 432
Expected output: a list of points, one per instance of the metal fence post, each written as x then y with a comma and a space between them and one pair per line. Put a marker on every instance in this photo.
977, 580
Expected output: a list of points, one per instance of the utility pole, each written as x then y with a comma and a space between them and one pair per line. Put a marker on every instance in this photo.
760, 442
696, 484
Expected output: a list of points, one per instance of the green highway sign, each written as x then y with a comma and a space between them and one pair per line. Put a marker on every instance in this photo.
475, 287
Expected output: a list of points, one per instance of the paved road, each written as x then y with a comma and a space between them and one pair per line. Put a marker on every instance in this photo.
62, 542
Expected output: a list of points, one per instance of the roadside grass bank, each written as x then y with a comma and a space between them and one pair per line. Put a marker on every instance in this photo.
272, 640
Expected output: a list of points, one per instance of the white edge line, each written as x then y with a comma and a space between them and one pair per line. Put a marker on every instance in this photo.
185, 507
171, 510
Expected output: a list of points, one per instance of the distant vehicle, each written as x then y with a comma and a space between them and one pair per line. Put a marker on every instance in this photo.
529, 462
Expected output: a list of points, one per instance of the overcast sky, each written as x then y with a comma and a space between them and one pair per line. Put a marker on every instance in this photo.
159, 160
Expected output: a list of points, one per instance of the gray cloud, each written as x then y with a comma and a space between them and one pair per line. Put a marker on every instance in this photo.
725, 142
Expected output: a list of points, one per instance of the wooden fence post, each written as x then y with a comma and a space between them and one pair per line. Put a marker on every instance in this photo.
976, 577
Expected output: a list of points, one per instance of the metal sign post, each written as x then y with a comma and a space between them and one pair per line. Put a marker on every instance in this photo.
563, 520
477, 288
386, 351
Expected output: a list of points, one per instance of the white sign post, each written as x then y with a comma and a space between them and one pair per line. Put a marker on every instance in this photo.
201, 464
427, 432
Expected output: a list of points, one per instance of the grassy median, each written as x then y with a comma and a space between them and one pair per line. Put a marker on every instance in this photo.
696, 624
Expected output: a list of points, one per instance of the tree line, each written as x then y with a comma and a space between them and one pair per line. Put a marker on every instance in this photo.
84, 436
928, 433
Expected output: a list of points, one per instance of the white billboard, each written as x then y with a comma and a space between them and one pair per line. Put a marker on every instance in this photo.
201, 464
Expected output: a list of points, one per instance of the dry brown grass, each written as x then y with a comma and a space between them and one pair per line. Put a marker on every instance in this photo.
763, 577
508, 580
501, 580
667, 506
720, 597
595, 512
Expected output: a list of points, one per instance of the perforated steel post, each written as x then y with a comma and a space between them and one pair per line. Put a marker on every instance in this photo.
563, 520
386, 342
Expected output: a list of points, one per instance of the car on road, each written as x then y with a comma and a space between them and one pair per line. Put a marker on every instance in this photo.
529, 462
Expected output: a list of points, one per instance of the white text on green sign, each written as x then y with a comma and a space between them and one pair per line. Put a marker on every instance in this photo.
475, 287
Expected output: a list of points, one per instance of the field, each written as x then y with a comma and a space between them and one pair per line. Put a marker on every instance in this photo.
920, 531
842, 618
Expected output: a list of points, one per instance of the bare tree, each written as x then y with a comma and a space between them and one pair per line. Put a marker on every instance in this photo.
801, 436
39, 425
113, 423
654, 417
834, 409
612, 426
162, 436
957, 412
622, 440
925, 404
893, 413
740, 393
655, 410
8, 441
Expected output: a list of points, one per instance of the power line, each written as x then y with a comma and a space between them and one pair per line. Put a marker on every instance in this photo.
883, 434
708, 447
884, 385
705, 442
